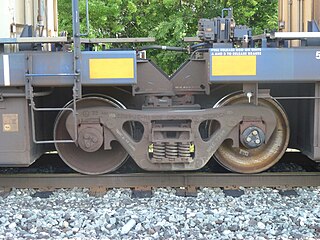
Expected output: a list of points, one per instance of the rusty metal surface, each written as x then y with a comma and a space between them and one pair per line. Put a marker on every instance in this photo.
227, 116
192, 77
88, 157
254, 160
160, 180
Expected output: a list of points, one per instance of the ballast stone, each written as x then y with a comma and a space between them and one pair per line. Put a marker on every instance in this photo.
128, 226
209, 216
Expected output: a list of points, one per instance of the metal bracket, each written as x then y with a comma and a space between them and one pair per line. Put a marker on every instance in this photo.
30, 96
251, 92
2, 102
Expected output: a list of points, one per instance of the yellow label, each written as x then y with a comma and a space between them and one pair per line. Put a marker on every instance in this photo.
111, 68
234, 65
191, 148
150, 148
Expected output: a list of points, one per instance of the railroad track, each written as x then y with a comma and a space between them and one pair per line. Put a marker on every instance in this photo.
136, 180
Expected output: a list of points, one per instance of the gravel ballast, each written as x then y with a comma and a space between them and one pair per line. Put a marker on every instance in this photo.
260, 213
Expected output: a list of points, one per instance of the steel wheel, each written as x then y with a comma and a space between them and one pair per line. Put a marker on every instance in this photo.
245, 160
98, 162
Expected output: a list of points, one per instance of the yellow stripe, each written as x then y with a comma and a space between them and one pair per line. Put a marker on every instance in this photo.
234, 65
111, 68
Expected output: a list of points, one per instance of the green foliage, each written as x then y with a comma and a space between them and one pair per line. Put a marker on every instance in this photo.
166, 20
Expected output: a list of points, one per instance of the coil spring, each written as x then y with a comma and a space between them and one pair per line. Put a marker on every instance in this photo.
184, 150
159, 150
172, 150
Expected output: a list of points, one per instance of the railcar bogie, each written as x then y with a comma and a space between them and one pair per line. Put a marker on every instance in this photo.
231, 100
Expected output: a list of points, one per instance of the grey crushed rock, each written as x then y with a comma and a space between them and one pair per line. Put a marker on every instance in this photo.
261, 213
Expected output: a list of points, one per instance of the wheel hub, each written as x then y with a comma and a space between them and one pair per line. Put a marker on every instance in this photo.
252, 137
90, 139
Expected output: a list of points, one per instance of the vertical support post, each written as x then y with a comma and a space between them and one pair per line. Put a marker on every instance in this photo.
28, 85
264, 43
30, 95
77, 88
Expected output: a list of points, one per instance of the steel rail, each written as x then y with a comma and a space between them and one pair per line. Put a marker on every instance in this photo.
284, 179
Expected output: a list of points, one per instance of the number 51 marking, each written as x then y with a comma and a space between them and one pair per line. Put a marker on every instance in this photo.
318, 55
